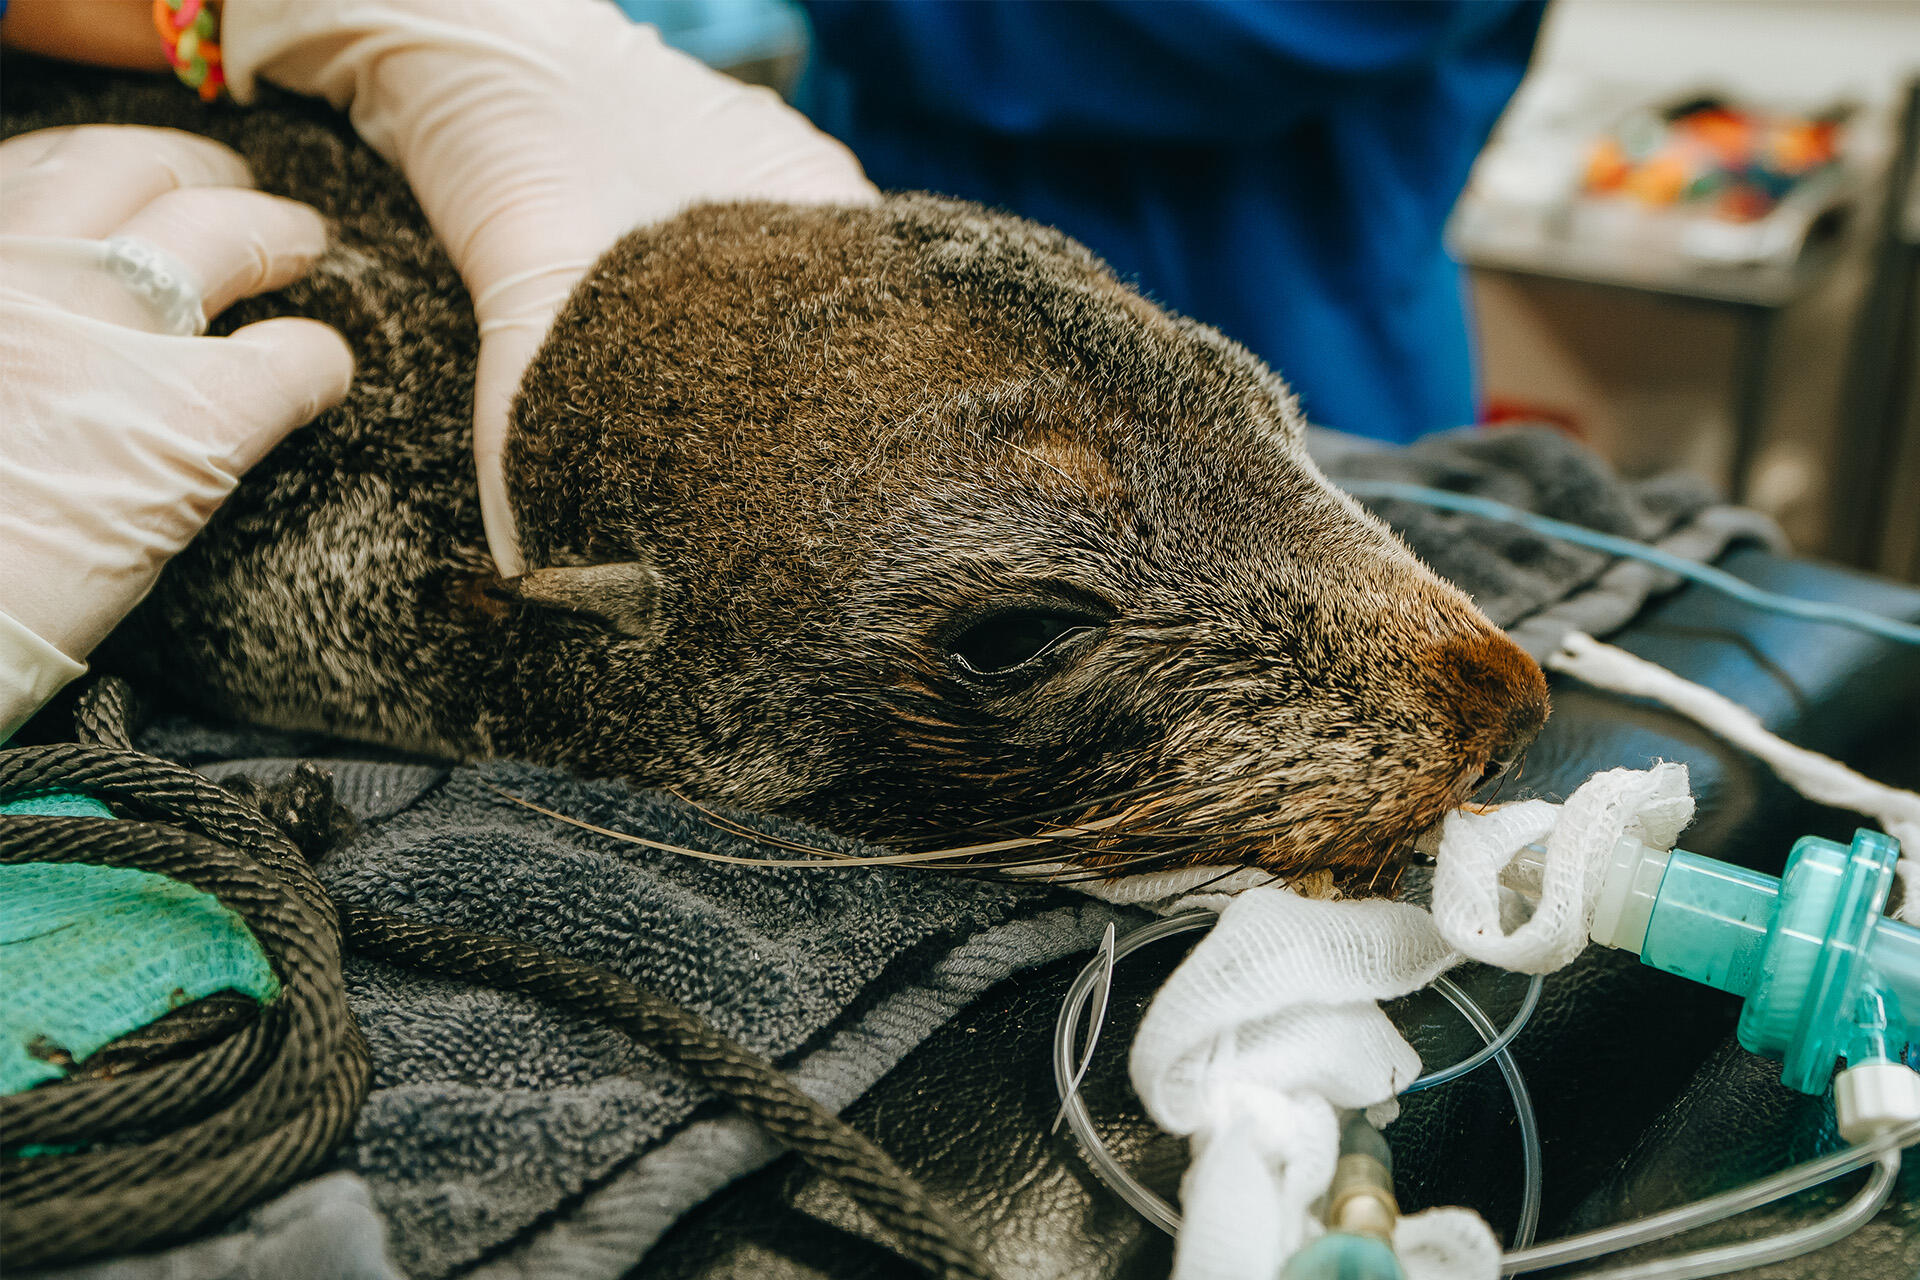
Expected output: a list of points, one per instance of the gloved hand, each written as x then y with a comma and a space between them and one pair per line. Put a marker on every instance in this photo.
120, 430
534, 137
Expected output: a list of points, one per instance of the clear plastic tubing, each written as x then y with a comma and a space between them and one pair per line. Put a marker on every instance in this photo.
1705, 574
1532, 1173
1882, 1151
1700, 1213
1774, 1248
1478, 1017
1163, 1215
1145, 1202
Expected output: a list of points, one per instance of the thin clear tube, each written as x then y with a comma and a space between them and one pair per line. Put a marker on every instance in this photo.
1475, 1015
1779, 1247
1532, 1171
1111, 1171
1701, 1213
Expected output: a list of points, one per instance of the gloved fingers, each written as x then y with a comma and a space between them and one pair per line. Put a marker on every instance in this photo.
267, 379
772, 152
128, 283
230, 243
117, 445
89, 180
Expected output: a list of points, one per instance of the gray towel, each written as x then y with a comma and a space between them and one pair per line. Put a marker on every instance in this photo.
491, 1111
505, 1140
501, 1131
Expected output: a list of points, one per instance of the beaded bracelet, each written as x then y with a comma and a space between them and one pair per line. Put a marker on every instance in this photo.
190, 29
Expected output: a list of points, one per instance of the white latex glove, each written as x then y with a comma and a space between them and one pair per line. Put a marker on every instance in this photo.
119, 436
534, 135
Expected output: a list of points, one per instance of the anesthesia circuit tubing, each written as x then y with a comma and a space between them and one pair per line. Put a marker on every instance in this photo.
1705, 574
1158, 1211
1883, 1149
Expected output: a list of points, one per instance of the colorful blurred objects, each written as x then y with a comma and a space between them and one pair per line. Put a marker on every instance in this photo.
1734, 162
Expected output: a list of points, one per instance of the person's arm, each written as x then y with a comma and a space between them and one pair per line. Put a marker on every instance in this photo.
106, 33
534, 136
1199, 70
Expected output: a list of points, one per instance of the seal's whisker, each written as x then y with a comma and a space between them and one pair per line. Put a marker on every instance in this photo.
1015, 842
1075, 874
1012, 821
748, 833
1086, 838
1112, 845
880, 860
1171, 824
1506, 776
1049, 858
1121, 861
1166, 823
1273, 877
1131, 863
1114, 840
1398, 875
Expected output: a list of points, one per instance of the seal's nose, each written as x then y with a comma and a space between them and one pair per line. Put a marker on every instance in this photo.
1494, 694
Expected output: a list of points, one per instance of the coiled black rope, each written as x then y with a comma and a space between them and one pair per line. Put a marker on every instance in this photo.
196, 1139
219, 1128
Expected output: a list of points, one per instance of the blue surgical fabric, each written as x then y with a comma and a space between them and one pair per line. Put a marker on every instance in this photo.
1282, 171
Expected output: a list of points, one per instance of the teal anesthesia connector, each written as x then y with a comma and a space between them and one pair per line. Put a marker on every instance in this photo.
1360, 1214
1826, 976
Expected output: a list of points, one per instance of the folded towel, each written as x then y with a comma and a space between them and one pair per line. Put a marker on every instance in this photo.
1540, 588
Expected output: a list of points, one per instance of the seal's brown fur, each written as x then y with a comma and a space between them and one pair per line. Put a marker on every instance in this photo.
776, 467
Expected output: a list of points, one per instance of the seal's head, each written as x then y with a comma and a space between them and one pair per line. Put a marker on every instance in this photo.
913, 518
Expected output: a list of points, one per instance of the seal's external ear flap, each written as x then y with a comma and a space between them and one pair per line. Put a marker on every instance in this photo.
626, 596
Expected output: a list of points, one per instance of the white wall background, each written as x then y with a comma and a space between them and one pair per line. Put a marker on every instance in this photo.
1811, 50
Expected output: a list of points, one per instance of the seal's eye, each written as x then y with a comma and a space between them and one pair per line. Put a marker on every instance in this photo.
1003, 641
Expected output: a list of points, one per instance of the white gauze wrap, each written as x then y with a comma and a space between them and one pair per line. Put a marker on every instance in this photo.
1251, 1049
1479, 918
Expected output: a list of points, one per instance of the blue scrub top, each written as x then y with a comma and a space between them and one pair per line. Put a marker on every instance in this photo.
1282, 171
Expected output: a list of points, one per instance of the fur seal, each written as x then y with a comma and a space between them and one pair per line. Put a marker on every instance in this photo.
901, 519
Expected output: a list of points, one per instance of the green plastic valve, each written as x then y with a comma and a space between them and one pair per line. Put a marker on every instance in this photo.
1824, 973
1339, 1255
